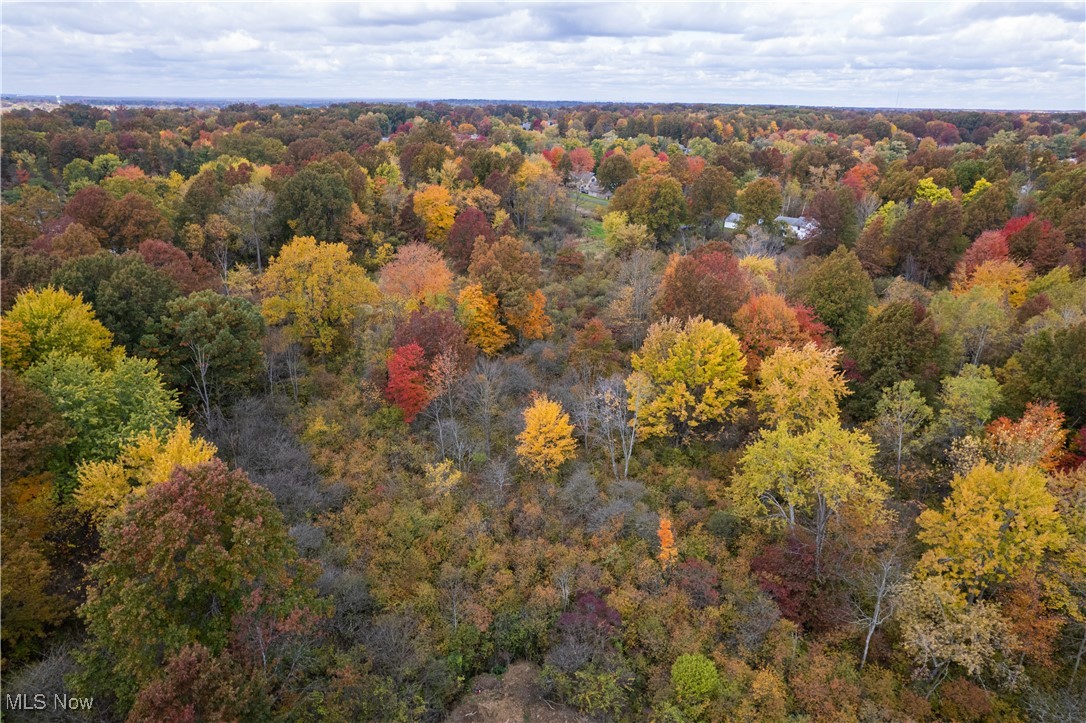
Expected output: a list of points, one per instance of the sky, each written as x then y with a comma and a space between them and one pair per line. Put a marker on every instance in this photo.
992, 55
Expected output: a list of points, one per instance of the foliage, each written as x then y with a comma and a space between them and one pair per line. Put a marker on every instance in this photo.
707, 282
406, 381
197, 560
839, 291
52, 321
994, 523
799, 387
106, 486
547, 439
316, 291
478, 312
688, 375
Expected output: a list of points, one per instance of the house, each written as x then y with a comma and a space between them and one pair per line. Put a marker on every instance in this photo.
801, 226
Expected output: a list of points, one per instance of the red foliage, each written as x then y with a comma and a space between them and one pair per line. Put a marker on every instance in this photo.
708, 282
189, 273
786, 573
699, 580
407, 381
435, 332
989, 246
1035, 240
470, 224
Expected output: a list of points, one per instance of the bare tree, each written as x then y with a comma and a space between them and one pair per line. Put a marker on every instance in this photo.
873, 600
249, 208
485, 387
615, 413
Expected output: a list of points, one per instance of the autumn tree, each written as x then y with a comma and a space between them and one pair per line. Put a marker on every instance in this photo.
615, 170
103, 407
707, 282
478, 312
766, 322
149, 459
1050, 365
1035, 440
52, 321
712, 196
417, 275
547, 440
805, 481
470, 227
993, 523
406, 386
510, 271
669, 553
438, 333
798, 387
199, 558
316, 290
689, 376
621, 236
189, 273
433, 204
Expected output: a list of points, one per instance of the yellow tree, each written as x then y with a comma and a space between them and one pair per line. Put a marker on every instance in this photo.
994, 523
145, 461
433, 204
799, 387
805, 481
478, 312
52, 320
687, 376
547, 440
315, 290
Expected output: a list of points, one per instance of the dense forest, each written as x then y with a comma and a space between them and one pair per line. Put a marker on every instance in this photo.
494, 412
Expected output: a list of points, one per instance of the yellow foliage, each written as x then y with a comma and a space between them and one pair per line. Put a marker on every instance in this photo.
145, 461
433, 204
316, 290
478, 312
442, 478
49, 320
535, 324
690, 376
993, 524
547, 440
799, 387
1005, 275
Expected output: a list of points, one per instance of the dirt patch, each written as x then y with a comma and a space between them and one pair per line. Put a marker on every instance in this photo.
513, 698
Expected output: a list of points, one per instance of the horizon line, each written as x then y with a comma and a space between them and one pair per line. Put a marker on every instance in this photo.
324, 100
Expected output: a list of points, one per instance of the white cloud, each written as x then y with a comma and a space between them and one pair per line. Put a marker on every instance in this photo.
990, 55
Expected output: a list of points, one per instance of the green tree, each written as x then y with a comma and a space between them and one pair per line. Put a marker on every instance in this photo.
128, 296
209, 348
760, 202
967, 400
696, 682
687, 376
897, 343
899, 426
104, 407
1050, 365
838, 290
656, 202
316, 201
615, 170
200, 559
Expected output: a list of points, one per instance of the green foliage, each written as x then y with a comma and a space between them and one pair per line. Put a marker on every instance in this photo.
104, 407
839, 291
208, 347
696, 682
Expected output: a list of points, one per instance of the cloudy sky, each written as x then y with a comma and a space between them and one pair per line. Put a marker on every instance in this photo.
903, 54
